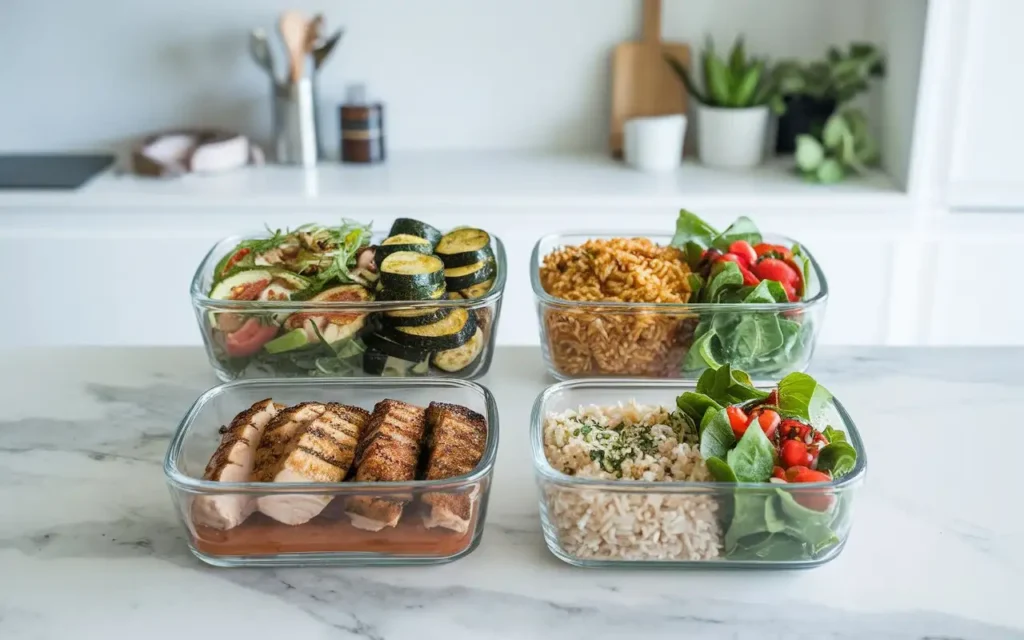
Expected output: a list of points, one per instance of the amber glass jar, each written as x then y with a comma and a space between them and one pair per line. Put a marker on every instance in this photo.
362, 128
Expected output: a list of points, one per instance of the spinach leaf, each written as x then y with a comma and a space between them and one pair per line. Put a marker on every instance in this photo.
742, 229
695, 405
838, 457
800, 257
709, 415
748, 517
833, 435
755, 336
706, 382
790, 336
777, 292
724, 276
764, 293
716, 437
771, 547
690, 228
726, 386
801, 395
720, 469
696, 284
774, 518
807, 525
702, 353
753, 457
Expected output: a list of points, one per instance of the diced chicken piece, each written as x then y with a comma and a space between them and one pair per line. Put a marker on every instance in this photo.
455, 447
320, 450
388, 452
234, 461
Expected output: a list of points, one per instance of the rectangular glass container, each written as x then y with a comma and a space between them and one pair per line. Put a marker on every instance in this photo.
582, 339
327, 539
341, 359
591, 522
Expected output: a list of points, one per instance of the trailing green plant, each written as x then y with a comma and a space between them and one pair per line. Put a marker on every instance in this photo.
736, 83
845, 145
841, 76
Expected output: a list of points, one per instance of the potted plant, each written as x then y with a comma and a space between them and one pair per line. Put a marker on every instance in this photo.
732, 106
812, 92
844, 145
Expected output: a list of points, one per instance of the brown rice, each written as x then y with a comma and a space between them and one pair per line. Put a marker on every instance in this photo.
588, 340
630, 442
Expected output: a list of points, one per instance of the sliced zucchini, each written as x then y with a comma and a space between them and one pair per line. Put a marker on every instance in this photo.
453, 331
461, 278
416, 228
293, 281
457, 359
413, 317
401, 242
412, 294
245, 285
464, 247
478, 290
377, 342
411, 271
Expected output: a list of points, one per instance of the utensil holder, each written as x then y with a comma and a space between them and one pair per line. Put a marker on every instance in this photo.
295, 132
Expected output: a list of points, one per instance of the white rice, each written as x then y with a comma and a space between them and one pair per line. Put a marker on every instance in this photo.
622, 443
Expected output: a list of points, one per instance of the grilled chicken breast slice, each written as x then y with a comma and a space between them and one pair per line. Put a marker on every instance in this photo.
389, 451
455, 447
320, 450
233, 461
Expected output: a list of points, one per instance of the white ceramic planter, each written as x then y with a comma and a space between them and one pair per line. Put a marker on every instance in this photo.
654, 144
731, 138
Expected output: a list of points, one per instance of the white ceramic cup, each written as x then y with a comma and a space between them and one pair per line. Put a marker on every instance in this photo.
731, 138
654, 144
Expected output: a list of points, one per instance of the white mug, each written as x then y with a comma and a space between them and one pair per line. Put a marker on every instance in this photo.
654, 144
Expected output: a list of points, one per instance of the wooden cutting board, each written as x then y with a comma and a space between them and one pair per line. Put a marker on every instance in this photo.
643, 84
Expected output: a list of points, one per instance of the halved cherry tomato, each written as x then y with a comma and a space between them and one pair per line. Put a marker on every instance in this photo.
769, 420
745, 252
235, 259
249, 339
767, 249
738, 420
749, 279
778, 270
794, 453
818, 500
790, 292
799, 286
780, 473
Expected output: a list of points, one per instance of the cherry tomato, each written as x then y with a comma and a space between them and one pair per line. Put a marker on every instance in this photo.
249, 339
767, 249
780, 473
818, 500
794, 453
773, 269
738, 421
799, 275
790, 292
769, 421
793, 472
746, 252
749, 279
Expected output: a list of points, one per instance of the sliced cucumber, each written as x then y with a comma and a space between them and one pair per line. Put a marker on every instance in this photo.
461, 278
413, 317
478, 290
457, 359
453, 331
464, 247
416, 228
411, 271
294, 339
245, 285
401, 242
382, 344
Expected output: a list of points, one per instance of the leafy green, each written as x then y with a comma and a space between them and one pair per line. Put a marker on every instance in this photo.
720, 469
742, 229
716, 437
726, 386
802, 396
690, 228
724, 275
753, 457
695, 405
833, 435
774, 526
839, 458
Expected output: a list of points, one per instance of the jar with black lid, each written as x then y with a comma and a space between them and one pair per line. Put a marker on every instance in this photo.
362, 128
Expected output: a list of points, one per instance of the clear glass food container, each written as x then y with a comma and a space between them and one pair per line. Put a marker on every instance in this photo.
341, 358
599, 523
673, 340
328, 538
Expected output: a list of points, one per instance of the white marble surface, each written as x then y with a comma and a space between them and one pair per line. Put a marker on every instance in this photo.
90, 548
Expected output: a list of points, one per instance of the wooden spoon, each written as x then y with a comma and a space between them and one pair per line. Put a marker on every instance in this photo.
294, 28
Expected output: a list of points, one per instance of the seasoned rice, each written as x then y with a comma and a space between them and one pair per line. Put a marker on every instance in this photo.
629, 442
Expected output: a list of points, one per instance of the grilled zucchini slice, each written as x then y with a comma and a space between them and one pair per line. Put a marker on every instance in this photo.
411, 271
460, 278
464, 247
380, 343
401, 242
416, 228
478, 290
453, 331
457, 359
413, 317
411, 294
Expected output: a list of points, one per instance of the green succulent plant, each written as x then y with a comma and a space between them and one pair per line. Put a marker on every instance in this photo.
736, 83
845, 145
840, 76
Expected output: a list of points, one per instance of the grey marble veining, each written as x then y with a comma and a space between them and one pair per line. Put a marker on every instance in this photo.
90, 547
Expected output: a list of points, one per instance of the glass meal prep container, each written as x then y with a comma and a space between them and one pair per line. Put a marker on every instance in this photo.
583, 339
591, 522
342, 353
328, 538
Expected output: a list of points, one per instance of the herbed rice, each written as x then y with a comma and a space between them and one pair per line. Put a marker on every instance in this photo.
629, 442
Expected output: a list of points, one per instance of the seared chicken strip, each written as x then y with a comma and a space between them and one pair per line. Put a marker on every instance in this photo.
234, 461
455, 447
320, 450
388, 452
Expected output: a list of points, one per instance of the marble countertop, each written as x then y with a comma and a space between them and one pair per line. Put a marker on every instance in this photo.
90, 547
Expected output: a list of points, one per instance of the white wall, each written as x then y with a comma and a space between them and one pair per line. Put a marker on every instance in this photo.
83, 74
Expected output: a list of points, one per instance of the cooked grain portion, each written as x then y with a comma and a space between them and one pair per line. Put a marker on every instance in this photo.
455, 447
388, 451
589, 340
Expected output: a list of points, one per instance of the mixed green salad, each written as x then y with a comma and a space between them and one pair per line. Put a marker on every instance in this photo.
314, 265
783, 438
736, 266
